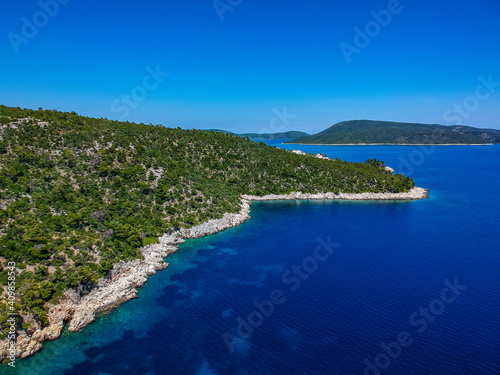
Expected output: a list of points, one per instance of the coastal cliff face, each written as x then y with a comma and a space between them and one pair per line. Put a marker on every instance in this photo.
126, 277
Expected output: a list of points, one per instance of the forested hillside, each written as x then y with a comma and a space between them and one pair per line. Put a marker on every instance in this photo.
78, 194
385, 132
487, 135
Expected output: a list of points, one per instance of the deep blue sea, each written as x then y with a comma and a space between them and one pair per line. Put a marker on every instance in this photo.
323, 287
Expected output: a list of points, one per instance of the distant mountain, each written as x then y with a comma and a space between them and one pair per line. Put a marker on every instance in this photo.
384, 132
284, 135
217, 131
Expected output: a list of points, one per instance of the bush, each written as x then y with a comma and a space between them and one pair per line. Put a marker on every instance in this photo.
149, 241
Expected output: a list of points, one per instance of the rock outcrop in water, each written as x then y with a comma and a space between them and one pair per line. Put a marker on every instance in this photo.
79, 311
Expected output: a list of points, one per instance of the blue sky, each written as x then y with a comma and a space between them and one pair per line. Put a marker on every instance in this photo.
255, 65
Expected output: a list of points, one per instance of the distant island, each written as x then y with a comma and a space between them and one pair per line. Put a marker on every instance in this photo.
256, 136
89, 208
359, 132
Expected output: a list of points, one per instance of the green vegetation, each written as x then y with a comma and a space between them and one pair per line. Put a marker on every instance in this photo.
488, 135
79, 194
383, 132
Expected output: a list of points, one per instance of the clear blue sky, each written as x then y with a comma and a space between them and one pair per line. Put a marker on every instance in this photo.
237, 73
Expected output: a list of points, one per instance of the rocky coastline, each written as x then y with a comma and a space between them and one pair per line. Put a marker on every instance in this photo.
413, 194
76, 312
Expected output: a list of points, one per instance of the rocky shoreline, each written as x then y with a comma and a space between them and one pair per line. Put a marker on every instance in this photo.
413, 194
77, 311
126, 277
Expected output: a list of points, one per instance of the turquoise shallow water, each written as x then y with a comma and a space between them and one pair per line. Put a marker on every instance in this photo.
333, 313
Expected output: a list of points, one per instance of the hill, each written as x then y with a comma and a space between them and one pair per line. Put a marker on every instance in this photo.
283, 135
384, 132
80, 194
488, 135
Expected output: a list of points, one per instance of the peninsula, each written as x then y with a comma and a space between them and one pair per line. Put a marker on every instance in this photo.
90, 208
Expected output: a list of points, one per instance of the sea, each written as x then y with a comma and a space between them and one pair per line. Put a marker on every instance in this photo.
321, 287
